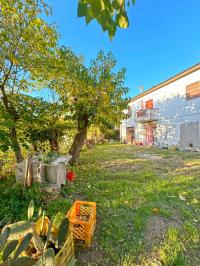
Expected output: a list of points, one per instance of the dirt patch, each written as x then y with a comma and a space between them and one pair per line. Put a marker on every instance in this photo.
149, 156
157, 227
124, 165
93, 255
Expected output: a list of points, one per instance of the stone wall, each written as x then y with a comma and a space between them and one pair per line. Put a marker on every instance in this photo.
37, 168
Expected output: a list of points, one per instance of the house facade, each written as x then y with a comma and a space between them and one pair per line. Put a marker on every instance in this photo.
167, 114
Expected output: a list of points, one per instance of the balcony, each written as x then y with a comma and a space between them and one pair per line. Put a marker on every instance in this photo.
147, 115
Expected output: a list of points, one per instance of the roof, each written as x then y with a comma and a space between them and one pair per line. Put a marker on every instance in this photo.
168, 81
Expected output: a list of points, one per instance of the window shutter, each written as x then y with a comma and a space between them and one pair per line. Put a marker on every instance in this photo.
149, 104
193, 90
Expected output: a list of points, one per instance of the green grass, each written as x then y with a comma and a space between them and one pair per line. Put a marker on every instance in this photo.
130, 189
148, 205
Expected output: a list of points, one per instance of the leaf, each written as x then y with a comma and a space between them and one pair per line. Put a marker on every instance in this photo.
63, 231
97, 7
31, 210
122, 20
105, 20
182, 197
112, 30
38, 22
120, 2
3, 237
82, 9
10, 247
89, 16
194, 201
24, 244
156, 210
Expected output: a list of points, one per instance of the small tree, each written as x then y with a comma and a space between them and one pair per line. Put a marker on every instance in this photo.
94, 95
26, 46
47, 123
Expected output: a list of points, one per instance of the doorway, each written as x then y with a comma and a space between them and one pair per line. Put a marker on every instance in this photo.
130, 135
149, 134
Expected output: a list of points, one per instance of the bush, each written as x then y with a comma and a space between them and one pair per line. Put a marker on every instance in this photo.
60, 206
14, 200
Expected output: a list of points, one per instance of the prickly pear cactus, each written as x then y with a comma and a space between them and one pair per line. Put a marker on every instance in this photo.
23, 261
30, 210
48, 258
63, 231
10, 247
38, 243
23, 245
4, 237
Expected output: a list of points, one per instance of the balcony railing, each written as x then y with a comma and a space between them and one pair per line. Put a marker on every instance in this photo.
147, 115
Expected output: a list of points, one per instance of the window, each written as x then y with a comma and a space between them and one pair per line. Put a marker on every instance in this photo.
129, 112
193, 90
149, 104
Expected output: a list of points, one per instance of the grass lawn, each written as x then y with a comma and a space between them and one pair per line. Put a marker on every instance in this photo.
148, 205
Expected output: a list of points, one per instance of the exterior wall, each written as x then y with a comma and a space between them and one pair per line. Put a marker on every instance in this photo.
174, 110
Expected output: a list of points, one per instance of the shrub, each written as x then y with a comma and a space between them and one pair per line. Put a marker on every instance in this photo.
14, 200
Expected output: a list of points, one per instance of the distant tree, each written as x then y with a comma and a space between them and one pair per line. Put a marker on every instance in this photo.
26, 46
94, 95
110, 14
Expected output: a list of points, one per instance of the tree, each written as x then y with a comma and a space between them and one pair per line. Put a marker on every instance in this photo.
108, 13
26, 45
94, 95
46, 122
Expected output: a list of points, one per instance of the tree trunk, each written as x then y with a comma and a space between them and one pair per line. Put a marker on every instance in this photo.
34, 146
16, 146
15, 116
78, 140
54, 145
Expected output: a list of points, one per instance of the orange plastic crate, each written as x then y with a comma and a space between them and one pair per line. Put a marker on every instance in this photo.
82, 217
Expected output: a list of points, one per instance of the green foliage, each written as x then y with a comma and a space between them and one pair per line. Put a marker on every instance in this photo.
14, 202
7, 159
109, 14
24, 53
58, 205
94, 95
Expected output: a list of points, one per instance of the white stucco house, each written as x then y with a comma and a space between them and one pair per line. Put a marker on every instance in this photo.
167, 114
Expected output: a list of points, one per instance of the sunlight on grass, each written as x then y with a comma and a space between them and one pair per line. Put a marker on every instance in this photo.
128, 189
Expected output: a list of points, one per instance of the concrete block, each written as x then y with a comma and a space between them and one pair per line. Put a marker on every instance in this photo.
56, 171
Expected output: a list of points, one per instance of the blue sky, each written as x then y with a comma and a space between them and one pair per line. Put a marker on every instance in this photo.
163, 39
